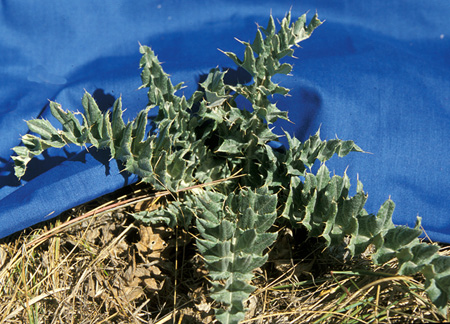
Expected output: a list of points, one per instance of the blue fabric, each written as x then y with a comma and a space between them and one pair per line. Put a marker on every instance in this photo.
376, 74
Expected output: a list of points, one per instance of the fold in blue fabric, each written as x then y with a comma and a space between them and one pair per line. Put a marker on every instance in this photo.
375, 74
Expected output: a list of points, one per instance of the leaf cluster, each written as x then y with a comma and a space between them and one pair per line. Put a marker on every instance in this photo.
234, 235
208, 137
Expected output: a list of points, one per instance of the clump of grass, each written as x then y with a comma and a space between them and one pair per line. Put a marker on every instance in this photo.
95, 264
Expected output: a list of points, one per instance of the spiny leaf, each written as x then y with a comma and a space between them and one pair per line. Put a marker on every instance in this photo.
301, 31
233, 249
42, 127
91, 111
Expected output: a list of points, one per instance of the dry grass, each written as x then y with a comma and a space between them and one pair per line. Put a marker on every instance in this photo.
95, 264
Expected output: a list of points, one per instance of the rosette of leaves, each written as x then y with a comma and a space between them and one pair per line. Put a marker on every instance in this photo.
208, 138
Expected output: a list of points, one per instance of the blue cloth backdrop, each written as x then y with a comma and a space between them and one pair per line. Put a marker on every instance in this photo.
375, 73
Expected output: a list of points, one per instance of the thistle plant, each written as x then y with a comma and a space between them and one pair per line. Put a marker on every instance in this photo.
208, 137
